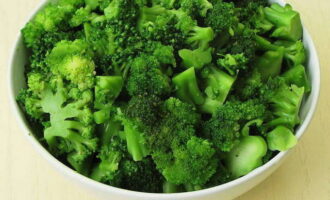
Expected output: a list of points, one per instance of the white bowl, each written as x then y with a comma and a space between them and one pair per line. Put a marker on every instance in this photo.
225, 192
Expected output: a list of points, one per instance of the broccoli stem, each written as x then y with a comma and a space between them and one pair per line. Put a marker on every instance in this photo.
135, 142
270, 64
169, 187
187, 88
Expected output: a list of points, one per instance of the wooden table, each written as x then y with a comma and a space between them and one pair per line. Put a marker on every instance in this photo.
305, 175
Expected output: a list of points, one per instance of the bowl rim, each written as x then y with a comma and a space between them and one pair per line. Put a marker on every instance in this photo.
129, 193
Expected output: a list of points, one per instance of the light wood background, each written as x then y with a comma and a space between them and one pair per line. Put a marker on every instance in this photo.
305, 175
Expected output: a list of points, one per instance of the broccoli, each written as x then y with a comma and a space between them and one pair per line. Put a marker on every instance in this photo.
286, 21
195, 8
269, 64
222, 18
72, 60
146, 77
224, 127
186, 87
281, 139
70, 128
285, 102
233, 63
164, 95
197, 58
184, 151
217, 87
246, 156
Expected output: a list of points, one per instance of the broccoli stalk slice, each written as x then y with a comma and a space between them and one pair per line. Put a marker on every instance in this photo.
297, 76
218, 85
281, 139
269, 64
187, 87
197, 58
287, 22
246, 156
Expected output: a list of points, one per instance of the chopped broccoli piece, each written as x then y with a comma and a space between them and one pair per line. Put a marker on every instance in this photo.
246, 156
186, 87
217, 87
286, 21
281, 139
197, 58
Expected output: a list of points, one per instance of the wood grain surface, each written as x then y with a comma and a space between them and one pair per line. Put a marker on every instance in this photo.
305, 175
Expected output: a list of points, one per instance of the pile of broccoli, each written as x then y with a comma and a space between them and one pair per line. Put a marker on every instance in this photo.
164, 95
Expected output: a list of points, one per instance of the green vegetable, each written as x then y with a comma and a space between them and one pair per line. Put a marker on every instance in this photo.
164, 95
286, 21
246, 156
281, 139
187, 88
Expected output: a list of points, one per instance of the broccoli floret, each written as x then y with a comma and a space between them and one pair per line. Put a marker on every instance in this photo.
149, 16
111, 153
195, 8
72, 123
248, 85
186, 87
222, 17
285, 102
194, 163
121, 9
178, 120
163, 53
286, 21
72, 61
217, 85
144, 109
224, 126
175, 147
243, 42
184, 22
146, 77
141, 176
259, 21
233, 63
83, 15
